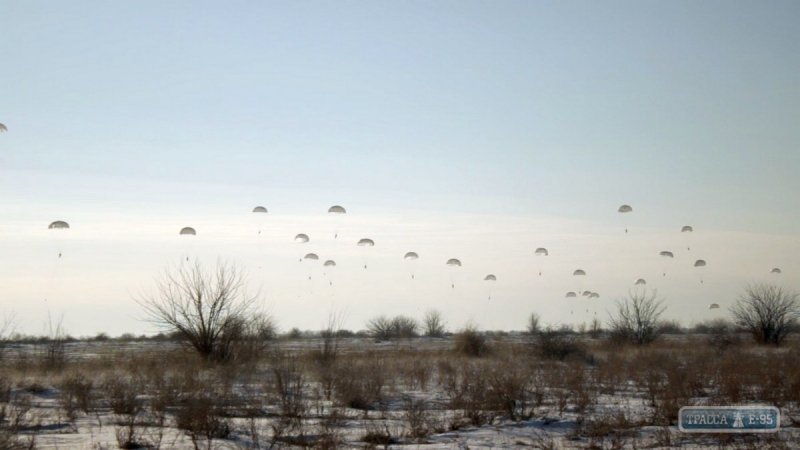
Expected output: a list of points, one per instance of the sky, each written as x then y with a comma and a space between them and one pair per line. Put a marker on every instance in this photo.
457, 129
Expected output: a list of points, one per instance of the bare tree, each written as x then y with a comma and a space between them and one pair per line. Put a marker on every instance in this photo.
433, 323
636, 318
331, 335
211, 310
768, 312
385, 328
533, 324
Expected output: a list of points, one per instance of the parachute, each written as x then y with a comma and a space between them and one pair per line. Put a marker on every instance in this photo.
625, 209
311, 256
452, 262
665, 254
184, 230
301, 238
594, 295
411, 256
713, 306
687, 229
259, 209
579, 272
571, 295
366, 243
337, 211
700, 263
3, 128
640, 281
541, 251
586, 293
329, 263
61, 224
489, 278
259, 218
775, 270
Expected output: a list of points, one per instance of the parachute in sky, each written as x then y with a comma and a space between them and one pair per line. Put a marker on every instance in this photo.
775, 270
337, 211
571, 295
259, 218
3, 128
541, 251
687, 229
700, 263
187, 231
666, 256
301, 238
311, 256
586, 293
625, 209
713, 306
490, 278
61, 224
329, 263
411, 256
640, 281
594, 295
452, 262
579, 272
366, 243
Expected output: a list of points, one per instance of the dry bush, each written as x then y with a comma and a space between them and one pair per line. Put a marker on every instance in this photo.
556, 344
769, 313
471, 342
720, 335
636, 318
384, 328
76, 395
51, 351
533, 325
15, 417
359, 382
201, 418
433, 324
212, 311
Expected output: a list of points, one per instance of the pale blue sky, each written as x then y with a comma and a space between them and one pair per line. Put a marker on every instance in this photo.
555, 112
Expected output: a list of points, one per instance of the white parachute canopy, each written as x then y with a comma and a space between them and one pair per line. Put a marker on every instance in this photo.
301, 238
366, 242
775, 270
541, 251
586, 293
60, 224
686, 229
3, 128
490, 278
311, 256
594, 295
184, 230
329, 263
640, 281
411, 256
571, 295
259, 209
713, 306
578, 272
666, 254
336, 209
625, 209
453, 262
699, 263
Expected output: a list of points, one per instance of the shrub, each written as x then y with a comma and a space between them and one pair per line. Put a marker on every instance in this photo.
471, 342
768, 312
433, 324
557, 344
636, 318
